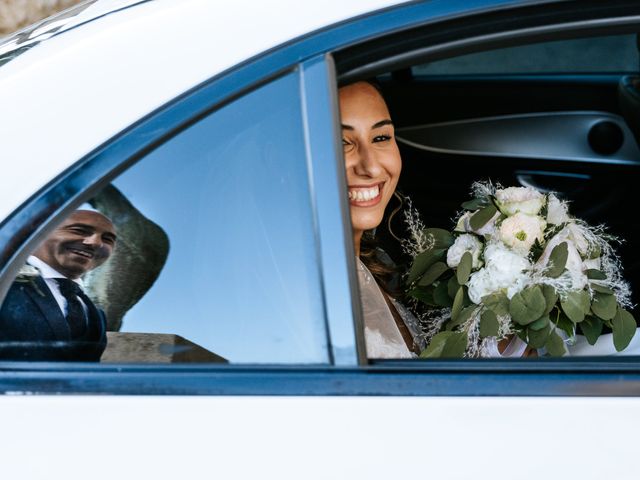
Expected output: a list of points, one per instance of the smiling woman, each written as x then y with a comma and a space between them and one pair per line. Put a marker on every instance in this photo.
373, 165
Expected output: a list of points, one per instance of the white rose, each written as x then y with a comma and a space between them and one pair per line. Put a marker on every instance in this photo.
504, 271
574, 262
465, 243
519, 199
520, 231
557, 212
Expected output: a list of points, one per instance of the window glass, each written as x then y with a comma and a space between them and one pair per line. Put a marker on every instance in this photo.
215, 258
561, 56
232, 194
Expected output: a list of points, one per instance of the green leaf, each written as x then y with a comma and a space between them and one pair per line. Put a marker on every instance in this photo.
555, 345
498, 303
457, 304
539, 324
441, 238
423, 261
475, 204
537, 338
464, 268
433, 273
465, 314
456, 345
593, 274
550, 298
595, 252
482, 216
424, 294
591, 328
624, 328
563, 323
446, 344
576, 305
604, 306
527, 305
441, 295
558, 260
601, 289
453, 286
489, 325
436, 345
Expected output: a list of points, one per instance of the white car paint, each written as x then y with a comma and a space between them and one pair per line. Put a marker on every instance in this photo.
56, 105
318, 438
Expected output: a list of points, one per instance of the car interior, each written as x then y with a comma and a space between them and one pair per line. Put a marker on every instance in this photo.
497, 112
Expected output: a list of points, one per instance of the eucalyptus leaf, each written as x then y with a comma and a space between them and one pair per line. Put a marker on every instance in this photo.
433, 273
457, 304
593, 274
601, 289
489, 325
550, 298
595, 252
537, 338
456, 345
539, 324
441, 238
555, 345
441, 295
482, 216
423, 261
591, 328
498, 303
576, 305
436, 345
624, 328
464, 268
563, 323
527, 305
558, 260
475, 204
604, 306
453, 286
446, 344
465, 314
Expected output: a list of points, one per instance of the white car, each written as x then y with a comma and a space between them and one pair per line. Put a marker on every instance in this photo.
209, 132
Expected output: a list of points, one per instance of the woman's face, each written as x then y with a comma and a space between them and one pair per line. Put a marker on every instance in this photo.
371, 155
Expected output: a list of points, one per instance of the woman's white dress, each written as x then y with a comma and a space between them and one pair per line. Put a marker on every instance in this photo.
382, 336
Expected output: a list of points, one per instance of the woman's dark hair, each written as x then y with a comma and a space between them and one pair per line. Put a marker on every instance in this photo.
374, 258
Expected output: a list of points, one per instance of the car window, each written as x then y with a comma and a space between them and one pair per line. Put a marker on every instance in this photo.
215, 257
560, 56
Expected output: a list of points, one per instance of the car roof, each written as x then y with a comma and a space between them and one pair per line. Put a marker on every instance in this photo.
91, 79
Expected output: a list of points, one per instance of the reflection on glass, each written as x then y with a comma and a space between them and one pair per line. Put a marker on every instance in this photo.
232, 194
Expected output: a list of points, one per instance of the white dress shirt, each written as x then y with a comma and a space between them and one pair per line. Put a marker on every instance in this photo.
49, 275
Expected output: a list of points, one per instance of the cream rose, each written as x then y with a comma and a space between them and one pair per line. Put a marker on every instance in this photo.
465, 243
504, 270
519, 199
520, 231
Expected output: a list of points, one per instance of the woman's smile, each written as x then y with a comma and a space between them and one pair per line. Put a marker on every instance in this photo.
365, 196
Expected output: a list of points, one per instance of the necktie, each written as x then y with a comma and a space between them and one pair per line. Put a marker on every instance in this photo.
76, 317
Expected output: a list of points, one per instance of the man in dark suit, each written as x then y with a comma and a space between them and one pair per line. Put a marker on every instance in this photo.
46, 315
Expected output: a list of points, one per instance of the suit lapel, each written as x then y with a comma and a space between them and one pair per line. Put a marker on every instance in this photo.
49, 308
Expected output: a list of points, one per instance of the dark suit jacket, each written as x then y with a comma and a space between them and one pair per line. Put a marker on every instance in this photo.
32, 327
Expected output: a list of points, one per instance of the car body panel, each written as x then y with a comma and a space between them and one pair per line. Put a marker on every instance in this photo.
318, 438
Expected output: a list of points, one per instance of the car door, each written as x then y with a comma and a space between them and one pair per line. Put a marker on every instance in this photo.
302, 400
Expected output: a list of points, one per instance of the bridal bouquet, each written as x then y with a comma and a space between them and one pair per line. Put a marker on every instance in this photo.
517, 263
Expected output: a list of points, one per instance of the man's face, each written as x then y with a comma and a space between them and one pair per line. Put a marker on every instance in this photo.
83, 242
